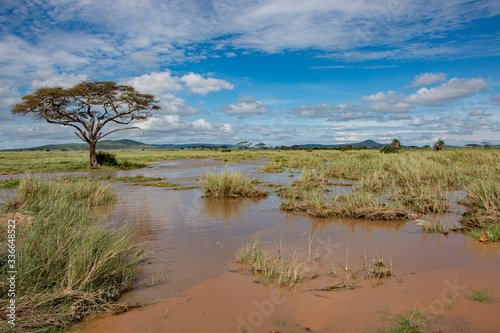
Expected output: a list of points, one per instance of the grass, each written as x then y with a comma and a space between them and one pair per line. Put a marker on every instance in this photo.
267, 267
483, 203
414, 322
378, 268
10, 183
72, 262
361, 205
437, 227
229, 184
419, 180
480, 295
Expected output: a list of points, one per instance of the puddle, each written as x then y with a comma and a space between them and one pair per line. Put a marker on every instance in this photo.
191, 237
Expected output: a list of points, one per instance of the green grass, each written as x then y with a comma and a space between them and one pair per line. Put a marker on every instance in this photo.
70, 262
10, 183
414, 322
480, 295
229, 184
267, 267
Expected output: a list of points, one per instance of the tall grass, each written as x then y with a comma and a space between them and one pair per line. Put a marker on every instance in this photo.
70, 262
229, 184
35, 193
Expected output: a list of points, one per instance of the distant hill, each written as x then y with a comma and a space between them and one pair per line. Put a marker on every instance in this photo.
131, 144
101, 145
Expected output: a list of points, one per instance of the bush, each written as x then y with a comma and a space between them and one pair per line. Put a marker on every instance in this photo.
387, 149
104, 158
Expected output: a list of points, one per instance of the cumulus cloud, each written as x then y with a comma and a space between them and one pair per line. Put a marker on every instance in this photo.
171, 104
155, 83
380, 96
388, 102
200, 85
428, 78
245, 105
175, 125
447, 92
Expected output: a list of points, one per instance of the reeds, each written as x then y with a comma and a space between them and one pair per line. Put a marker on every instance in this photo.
229, 184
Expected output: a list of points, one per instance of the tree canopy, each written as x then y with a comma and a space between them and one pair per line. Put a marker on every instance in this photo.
88, 107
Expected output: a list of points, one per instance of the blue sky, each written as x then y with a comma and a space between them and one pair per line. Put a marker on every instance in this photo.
280, 72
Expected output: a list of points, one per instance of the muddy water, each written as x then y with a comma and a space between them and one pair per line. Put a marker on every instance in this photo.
194, 240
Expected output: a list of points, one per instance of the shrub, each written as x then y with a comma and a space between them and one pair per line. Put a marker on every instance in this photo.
104, 158
387, 149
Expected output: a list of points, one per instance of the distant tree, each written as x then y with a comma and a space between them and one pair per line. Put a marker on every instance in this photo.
260, 145
244, 144
439, 145
88, 107
295, 147
486, 144
396, 144
472, 145
426, 147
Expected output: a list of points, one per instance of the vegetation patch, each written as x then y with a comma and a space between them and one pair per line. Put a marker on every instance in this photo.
10, 183
267, 267
356, 206
229, 184
480, 295
378, 268
72, 262
413, 322
272, 167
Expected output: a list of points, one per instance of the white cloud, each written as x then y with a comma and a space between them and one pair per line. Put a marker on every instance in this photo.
417, 122
200, 85
171, 104
380, 96
175, 125
155, 83
428, 78
245, 105
447, 92
49, 79
9, 96
388, 107
496, 98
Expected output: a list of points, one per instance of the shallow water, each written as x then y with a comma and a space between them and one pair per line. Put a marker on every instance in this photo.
195, 239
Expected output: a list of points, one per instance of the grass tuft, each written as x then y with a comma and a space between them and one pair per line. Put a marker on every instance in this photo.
267, 267
229, 184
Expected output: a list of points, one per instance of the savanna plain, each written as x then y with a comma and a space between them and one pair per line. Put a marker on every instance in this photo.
252, 241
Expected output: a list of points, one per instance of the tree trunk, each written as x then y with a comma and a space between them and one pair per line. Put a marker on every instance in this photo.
93, 159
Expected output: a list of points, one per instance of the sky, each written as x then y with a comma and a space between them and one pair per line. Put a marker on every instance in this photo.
279, 72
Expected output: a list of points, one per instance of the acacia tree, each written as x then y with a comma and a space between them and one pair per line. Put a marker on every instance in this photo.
88, 107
